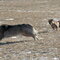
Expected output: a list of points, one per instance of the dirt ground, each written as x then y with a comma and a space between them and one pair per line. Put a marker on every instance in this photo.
36, 13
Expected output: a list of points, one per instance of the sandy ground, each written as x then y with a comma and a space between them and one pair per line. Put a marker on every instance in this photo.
36, 13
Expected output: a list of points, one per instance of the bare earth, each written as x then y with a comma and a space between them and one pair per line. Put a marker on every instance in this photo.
36, 13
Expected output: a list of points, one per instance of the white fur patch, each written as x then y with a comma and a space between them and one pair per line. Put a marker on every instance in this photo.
35, 31
56, 19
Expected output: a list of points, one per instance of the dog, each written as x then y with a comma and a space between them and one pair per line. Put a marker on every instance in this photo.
13, 30
55, 24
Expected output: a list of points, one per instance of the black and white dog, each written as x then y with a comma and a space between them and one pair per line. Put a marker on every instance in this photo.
55, 23
13, 30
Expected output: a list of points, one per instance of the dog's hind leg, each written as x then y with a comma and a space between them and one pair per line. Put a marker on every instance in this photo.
35, 37
35, 34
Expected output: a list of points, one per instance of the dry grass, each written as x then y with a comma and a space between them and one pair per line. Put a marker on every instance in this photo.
36, 13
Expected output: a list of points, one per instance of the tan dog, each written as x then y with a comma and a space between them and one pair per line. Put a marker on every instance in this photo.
55, 24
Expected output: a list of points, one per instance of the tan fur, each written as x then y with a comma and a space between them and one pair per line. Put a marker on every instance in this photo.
57, 23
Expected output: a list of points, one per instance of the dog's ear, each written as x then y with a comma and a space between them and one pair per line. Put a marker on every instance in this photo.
50, 21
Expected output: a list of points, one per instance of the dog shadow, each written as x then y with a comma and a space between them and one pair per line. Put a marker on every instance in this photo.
14, 42
43, 32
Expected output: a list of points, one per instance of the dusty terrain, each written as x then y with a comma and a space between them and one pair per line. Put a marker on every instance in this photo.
36, 13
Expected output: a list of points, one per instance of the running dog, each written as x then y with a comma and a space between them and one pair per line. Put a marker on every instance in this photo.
13, 30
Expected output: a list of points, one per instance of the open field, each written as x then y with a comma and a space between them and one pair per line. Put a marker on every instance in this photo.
36, 13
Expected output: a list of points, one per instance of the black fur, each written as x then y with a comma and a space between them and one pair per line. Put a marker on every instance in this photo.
24, 29
50, 21
54, 26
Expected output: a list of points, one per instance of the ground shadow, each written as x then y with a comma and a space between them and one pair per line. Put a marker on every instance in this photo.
6, 43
